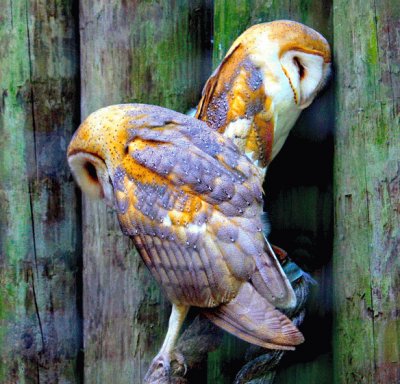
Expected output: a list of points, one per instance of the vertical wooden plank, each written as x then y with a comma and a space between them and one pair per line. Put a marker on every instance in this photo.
298, 195
366, 191
40, 332
132, 51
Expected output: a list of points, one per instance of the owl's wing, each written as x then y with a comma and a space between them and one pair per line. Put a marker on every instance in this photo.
235, 93
193, 205
218, 84
252, 318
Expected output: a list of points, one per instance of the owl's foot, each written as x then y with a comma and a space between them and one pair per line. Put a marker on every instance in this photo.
163, 366
160, 367
159, 370
178, 364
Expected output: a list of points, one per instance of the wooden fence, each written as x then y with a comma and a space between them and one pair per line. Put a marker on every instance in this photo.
76, 303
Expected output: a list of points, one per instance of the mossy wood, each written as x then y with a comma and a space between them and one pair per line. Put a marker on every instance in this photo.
158, 52
151, 52
40, 333
366, 179
298, 194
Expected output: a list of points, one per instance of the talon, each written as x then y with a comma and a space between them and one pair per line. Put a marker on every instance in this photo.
180, 360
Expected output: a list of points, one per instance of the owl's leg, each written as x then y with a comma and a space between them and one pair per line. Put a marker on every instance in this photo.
163, 359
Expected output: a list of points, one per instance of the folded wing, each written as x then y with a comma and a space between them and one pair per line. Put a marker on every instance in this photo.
195, 210
252, 318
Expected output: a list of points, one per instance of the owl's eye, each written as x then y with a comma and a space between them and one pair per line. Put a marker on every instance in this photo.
91, 171
300, 67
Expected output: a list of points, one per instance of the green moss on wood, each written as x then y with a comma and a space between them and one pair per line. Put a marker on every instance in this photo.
38, 297
157, 54
298, 194
366, 333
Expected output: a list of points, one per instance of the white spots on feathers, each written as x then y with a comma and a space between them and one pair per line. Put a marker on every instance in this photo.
167, 221
197, 229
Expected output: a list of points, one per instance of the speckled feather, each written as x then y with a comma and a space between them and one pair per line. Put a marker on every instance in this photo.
270, 73
250, 96
190, 201
207, 208
236, 91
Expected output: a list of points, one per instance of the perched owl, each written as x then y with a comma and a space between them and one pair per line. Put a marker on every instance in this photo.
269, 75
192, 204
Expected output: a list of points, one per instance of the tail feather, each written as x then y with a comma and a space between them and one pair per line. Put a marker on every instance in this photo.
254, 319
269, 278
271, 281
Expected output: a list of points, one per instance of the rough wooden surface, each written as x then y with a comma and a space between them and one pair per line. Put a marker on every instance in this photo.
157, 52
367, 178
141, 51
298, 194
40, 328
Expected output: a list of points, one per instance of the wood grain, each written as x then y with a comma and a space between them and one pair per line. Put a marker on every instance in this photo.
367, 178
159, 52
151, 52
40, 320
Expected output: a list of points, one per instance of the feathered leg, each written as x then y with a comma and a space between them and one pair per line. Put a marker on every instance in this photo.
163, 359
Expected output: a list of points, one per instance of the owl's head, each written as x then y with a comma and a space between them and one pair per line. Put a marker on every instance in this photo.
269, 75
99, 142
291, 56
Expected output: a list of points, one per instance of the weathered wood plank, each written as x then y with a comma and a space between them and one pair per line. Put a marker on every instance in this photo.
298, 193
40, 332
367, 177
141, 51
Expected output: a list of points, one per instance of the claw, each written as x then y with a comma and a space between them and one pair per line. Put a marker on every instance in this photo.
179, 366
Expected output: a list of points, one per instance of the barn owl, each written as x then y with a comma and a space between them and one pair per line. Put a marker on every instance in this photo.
192, 204
269, 75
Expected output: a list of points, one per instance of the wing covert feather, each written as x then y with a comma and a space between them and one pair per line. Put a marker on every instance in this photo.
185, 189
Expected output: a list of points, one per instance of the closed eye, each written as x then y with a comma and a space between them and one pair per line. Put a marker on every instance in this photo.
91, 171
300, 68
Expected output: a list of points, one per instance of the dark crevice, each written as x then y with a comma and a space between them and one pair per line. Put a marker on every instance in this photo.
30, 182
37, 309
11, 15
31, 86
80, 357
33, 228
36, 266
